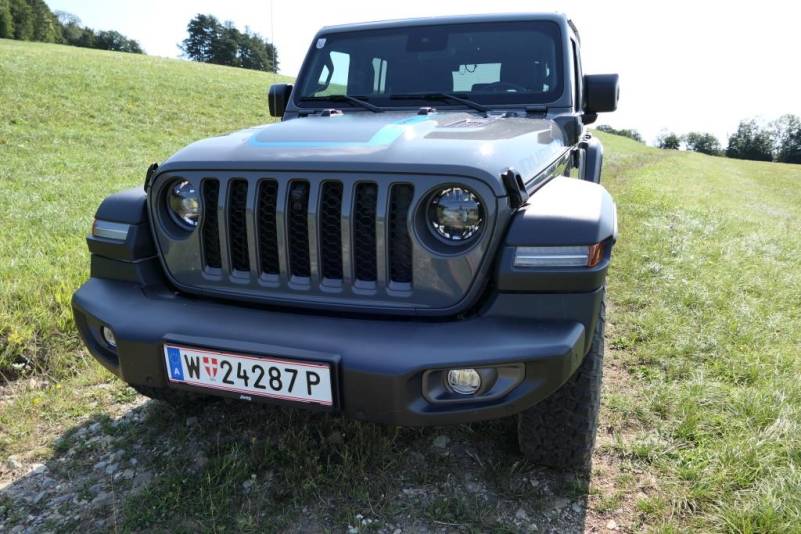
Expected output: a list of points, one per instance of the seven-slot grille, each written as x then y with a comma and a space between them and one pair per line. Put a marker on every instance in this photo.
326, 231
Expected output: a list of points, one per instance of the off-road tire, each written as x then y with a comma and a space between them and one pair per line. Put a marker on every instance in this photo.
173, 397
559, 432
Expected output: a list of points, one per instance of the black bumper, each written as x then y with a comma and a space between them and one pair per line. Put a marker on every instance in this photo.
378, 363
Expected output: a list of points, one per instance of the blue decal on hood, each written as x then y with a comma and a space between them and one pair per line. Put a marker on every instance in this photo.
383, 137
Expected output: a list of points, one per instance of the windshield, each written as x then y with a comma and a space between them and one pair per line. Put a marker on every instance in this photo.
491, 63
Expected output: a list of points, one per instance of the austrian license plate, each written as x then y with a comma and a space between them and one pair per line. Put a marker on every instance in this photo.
276, 378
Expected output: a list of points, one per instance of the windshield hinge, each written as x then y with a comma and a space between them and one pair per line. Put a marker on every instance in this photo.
538, 108
515, 188
151, 171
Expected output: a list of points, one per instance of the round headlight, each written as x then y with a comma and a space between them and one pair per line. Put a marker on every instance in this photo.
184, 203
455, 214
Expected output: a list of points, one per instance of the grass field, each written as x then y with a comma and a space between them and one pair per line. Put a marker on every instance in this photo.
701, 420
76, 125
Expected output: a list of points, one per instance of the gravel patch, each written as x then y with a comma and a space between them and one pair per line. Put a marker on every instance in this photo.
447, 479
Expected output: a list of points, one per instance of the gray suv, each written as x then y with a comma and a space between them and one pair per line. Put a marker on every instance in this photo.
421, 240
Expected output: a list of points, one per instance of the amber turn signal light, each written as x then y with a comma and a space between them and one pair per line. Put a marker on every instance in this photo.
595, 254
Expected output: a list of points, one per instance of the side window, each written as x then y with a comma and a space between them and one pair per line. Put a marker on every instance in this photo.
325, 77
578, 97
469, 76
379, 75
333, 78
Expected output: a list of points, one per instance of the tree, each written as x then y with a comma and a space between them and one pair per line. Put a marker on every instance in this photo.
85, 38
209, 41
111, 40
225, 48
45, 25
705, 143
630, 133
204, 31
750, 142
787, 138
32, 20
668, 141
74, 34
256, 53
65, 18
6, 20
71, 30
22, 15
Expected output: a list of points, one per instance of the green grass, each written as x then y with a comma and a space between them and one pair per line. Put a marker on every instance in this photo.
701, 424
76, 125
706, 309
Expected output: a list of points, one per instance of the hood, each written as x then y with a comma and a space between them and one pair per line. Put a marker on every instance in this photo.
455, 143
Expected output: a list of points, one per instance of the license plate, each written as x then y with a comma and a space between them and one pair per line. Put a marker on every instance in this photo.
249, 376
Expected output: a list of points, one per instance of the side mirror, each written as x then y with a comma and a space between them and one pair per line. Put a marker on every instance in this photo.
601, 92
278, 97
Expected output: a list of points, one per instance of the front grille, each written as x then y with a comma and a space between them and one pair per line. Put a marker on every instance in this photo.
347, 241
295, 214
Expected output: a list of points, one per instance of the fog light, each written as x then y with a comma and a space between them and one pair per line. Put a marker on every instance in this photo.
464, 381
108, 336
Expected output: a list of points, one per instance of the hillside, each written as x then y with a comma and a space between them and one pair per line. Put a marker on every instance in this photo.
702, 404
76, 125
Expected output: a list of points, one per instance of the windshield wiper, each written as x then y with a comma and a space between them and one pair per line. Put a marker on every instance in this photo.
441, 96
344, 98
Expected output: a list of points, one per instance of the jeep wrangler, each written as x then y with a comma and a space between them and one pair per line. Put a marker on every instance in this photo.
422, 239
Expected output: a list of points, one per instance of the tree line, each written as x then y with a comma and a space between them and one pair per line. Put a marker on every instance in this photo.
211, 41
779, 140
32, 20
631, 134
208, 40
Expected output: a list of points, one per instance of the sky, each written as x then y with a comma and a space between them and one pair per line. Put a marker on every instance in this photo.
683, 65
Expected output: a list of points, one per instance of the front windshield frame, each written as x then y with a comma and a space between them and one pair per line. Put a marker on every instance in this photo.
327, 41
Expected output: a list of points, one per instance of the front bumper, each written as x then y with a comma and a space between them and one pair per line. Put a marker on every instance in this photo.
378, 363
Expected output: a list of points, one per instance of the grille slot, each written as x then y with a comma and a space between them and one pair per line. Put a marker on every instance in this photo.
364, 243
298, 226
237, 226
267, 227
331, 230
400, 243
210, 233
